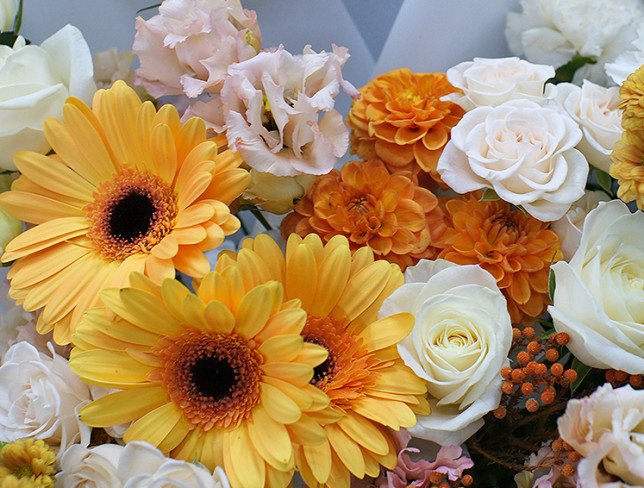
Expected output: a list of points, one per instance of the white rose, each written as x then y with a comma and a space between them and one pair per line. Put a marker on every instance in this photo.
137, 465
279, 113
35, 82
491, 82
595, 109
39, 398
599, 295
607, 428
553, 31
459, 343
569, 227
523, 151
628, 62
8, 12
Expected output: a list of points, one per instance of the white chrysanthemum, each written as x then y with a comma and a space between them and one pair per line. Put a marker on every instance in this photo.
553, 31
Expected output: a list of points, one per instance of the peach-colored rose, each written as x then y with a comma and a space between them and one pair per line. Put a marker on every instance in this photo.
607, 428
189, 45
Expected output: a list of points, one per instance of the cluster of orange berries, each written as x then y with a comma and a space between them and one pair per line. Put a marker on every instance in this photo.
565, 457
621, 378
533, 381
439, 480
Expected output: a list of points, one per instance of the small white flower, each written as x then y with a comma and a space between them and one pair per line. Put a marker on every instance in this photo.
569, 227
596, 110
553, 31
39, 398
137, 465
599, 295
460, 341
8, 12
521, 150
607, 428
491, 82
57, 69
279, 114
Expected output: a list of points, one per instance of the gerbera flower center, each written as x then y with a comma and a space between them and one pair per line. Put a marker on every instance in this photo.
131, 214
213, 378
348, 371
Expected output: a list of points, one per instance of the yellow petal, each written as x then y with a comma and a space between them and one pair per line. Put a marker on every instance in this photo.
254, 311
319, 459
123, 406
154, 426
301, 275
218, 318
282, 347
361, 290
387, 331
248, 465
364, 433
271, 440
107, 368
164, 153
280, 407
347, 450
333, 275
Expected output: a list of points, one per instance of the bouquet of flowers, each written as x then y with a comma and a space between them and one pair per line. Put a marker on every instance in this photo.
199, 292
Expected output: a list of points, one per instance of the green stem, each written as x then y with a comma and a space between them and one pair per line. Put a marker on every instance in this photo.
18, 23
262, 220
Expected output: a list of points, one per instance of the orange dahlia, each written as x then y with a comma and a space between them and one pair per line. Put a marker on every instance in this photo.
129, 189
401, 119
368, 385
221, 377
515, 248
631, 96
388, 213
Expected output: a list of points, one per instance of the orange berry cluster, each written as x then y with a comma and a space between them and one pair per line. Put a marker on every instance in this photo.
621, 378
440, 480
566, 458
533, 382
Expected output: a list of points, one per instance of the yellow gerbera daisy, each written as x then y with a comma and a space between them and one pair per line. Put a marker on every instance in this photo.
129, 189
222, 377
369, 386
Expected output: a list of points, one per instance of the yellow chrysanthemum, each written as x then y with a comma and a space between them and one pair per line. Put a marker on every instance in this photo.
627, 167
129, 189
632, 101
221, 377
27, 463
369, 386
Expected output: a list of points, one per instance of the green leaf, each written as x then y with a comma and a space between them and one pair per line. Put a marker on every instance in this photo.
17, 25
604, 180
582, 371
552, 284
565, 73
489, 195
8, 38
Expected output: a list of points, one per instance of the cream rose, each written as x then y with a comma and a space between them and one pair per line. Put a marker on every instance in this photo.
553, 31
279, 114
595, 109
39, 398
8, 12
137, 465
460, 341
607, 428
188, 47
491, 82
276, 194
569, 227
599, 295
35, 82
523, 151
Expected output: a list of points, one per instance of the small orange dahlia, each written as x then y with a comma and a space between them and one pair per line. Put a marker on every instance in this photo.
129, 189
515, 248
627, 166
390, 214
221, 377
401, 119
369, 387
631, 95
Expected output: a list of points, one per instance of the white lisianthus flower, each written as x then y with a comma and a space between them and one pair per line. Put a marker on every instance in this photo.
279, 114
596, 110
628, 62
607, 428
8, 12
35, 82
491, 82
188, 46
521, 150
553, 31
137, 465
39, 398
599, 295
459, 343
569, 227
